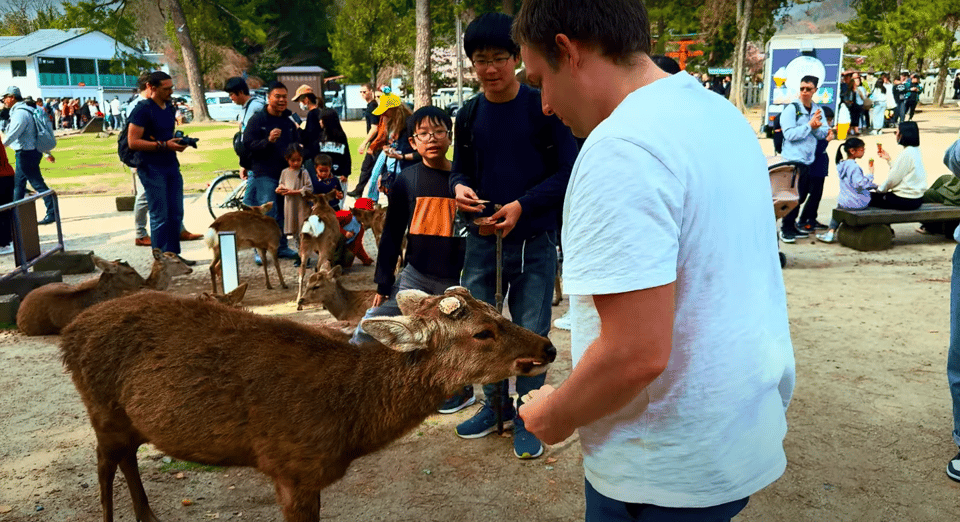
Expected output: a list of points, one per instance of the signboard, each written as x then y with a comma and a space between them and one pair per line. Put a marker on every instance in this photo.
790, 65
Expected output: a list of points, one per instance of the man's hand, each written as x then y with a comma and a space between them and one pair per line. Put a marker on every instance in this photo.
243, 173
815, 121
535, 421
274, 135
51, 159
362, 149
467, 199
510, 214
175, 145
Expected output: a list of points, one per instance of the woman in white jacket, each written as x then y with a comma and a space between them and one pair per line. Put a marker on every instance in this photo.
907, 180
879, 98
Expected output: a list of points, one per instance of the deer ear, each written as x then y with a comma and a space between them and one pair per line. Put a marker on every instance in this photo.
266, 207
403, 334
103, 264
409, 300
157, 253
314, 277
337, 271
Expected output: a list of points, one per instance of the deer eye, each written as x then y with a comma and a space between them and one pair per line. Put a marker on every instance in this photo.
485, 334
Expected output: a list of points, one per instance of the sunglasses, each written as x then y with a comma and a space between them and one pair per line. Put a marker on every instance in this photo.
808, 89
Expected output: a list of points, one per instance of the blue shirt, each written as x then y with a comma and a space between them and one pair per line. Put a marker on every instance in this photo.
20, 133
158, 125
799, 140
254, 105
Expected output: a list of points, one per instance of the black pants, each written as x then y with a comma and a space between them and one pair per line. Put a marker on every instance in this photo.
911, 107
366, 169
810, 189
891, 201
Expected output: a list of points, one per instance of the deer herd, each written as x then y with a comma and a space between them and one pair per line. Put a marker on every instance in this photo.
143, 360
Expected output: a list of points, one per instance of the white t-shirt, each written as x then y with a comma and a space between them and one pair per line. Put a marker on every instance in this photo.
690, 202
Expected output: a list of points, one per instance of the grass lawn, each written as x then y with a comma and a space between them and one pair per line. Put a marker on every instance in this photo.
87, 164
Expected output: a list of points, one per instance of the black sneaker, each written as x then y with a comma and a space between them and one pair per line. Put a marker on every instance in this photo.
787, 236
459, 400
812, 226
953, 468
799, 233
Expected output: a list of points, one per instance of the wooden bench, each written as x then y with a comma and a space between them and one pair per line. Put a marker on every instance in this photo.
869, 229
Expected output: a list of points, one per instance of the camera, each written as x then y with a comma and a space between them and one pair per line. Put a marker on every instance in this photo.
185, 140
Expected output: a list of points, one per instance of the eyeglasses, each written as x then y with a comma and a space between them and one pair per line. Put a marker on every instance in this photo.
808, 89
424, 136
496, 62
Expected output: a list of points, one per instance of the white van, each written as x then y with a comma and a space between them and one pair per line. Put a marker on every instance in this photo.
221, 107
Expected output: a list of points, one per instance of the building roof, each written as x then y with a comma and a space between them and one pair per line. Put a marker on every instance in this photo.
36, 42
311, 69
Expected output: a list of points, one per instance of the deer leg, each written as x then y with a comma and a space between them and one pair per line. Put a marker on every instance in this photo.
132, 473
302, 271
214, 266
106, 470
298, 504
276, 263
263, 256
557, 290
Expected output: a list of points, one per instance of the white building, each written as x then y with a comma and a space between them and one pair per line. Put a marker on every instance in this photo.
75, 63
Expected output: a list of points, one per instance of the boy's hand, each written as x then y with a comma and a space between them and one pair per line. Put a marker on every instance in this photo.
379, 300
339, 195
467, 199
348, 235
510, 214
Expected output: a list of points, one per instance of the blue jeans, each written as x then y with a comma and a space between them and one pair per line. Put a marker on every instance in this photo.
28, 169
382, 166
603, 509
409, 279
263, 189
953, 354
529, 269
164, 188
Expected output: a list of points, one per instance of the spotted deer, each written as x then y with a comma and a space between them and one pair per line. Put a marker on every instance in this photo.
253, 229
166, 266
319, 234
297, 402
324, 287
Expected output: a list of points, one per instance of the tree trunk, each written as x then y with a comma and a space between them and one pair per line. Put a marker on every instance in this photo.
938, 92
191, 61
421, 60
508, 7
744, 16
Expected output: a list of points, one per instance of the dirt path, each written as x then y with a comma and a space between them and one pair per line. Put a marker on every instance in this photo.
869, 425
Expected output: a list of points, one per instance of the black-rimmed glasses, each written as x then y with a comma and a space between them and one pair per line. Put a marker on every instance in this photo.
424, 136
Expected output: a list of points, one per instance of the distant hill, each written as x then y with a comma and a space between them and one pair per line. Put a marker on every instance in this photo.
817, 17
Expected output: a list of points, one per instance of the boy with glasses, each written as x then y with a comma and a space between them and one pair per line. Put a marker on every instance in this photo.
509, 155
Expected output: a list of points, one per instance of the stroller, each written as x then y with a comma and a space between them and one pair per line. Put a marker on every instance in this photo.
783, 185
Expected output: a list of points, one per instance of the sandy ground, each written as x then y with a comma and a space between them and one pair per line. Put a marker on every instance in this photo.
869, 425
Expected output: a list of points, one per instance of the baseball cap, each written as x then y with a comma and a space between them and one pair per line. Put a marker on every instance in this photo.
303, 89
363, 204
13, 90
387, 101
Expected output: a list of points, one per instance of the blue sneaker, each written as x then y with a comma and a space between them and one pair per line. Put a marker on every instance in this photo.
525, 444
256, 258
459, 400
485, 422
287, 253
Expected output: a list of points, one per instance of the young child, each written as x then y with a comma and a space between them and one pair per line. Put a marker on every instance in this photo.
352, 230
294, 183
421, 201
855, 186
326, 181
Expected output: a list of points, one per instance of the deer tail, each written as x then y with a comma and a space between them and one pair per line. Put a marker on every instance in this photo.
211, 238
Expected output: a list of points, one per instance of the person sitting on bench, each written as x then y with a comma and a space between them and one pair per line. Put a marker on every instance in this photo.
907, 180
855, 186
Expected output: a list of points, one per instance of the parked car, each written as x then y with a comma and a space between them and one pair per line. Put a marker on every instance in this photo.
221, 107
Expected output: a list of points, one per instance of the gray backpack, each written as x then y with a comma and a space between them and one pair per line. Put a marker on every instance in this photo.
46, 141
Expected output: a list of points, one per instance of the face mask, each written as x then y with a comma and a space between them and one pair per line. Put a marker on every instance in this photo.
303, 106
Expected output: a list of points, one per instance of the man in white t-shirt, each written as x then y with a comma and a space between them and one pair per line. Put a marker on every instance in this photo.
680, 399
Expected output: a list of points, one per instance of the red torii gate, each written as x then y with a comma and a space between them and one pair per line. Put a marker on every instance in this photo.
683, 53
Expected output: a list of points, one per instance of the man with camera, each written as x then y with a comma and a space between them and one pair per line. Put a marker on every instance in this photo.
266, 136
151, 132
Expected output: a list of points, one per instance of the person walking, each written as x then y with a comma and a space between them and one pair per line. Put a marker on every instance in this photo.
803, 123
683, 363
956, 87
20, 134
509, 155
150, 132
369, 153
879, 109
267, 136
116, 115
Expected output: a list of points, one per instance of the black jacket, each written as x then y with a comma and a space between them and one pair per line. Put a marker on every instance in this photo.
266, 157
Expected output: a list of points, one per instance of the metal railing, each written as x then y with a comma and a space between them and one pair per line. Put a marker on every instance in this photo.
20, 255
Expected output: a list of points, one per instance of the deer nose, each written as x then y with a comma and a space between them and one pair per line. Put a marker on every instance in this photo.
551, 353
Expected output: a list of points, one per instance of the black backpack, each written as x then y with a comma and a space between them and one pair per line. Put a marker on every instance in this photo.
778, 130
130, 158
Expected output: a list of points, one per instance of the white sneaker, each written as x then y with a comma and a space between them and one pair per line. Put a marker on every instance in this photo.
828, 237
6, 250
562, 322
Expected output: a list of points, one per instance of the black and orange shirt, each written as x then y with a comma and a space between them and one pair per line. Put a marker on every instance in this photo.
421, 204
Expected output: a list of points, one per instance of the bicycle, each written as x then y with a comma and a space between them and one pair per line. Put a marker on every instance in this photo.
225, 193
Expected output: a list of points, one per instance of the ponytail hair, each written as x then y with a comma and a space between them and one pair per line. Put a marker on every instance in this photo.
850, 144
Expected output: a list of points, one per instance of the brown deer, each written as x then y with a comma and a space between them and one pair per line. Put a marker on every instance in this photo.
231, 298
166, 265
324, 287
253, 229
372, 220
319, 233
49, 308
297, 402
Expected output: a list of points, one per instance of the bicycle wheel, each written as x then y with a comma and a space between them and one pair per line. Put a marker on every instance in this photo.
225, 194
